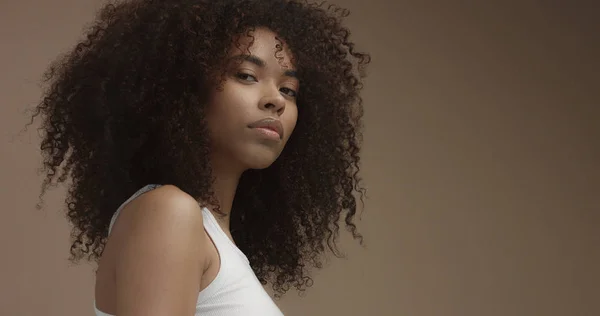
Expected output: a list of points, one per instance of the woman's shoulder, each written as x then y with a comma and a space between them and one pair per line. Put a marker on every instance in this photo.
159, 243
165, 214
162, 196
159, 208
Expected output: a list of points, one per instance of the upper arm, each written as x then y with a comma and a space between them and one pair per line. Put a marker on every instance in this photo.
159, 262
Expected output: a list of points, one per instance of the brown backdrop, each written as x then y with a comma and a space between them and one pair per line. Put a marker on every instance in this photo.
481, 158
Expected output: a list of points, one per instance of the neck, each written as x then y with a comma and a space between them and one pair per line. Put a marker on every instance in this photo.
224, 187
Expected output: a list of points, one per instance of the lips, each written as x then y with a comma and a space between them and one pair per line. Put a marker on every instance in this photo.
269, 123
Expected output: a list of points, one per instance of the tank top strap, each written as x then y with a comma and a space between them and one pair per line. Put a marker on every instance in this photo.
220, 239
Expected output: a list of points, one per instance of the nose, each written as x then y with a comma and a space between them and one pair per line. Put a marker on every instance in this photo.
273, 101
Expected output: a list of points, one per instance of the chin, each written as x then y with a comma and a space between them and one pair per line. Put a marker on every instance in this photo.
260, 160
262, 164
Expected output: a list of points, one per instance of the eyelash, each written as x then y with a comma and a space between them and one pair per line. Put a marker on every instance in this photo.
241, 76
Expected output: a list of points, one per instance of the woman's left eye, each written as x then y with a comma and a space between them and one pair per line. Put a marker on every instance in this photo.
289, 92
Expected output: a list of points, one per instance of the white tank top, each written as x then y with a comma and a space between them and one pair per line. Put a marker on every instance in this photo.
235, 290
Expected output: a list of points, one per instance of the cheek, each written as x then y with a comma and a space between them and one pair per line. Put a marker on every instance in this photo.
227, 108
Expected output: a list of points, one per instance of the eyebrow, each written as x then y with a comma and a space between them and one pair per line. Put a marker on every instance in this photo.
261, 63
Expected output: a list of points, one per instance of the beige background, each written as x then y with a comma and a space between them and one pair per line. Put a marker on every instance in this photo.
482, 161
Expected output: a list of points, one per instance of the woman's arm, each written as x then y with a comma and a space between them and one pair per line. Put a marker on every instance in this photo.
161, 258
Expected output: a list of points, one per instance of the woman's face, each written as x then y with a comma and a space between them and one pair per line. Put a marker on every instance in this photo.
252, 117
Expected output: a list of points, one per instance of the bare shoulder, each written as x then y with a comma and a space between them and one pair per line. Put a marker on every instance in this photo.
167, 197
161, 248
160, 210
162, 216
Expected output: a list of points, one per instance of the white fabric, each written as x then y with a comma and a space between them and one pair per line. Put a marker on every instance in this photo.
235, 290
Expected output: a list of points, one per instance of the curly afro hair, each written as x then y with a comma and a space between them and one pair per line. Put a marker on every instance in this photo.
125, 109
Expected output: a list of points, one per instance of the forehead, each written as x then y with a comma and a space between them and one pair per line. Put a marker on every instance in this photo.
264, 44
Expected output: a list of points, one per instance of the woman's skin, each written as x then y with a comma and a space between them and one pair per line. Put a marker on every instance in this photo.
159, 256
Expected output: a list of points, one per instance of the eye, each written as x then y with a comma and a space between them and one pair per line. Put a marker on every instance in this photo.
289, 92
246, 77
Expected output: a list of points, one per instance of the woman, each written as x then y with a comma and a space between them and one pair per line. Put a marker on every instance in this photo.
211, 146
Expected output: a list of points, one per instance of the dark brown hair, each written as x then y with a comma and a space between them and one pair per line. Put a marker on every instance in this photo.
125, 108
